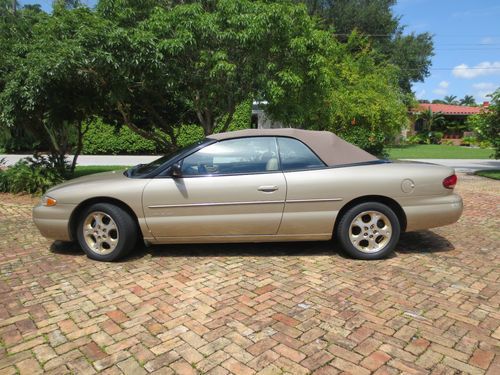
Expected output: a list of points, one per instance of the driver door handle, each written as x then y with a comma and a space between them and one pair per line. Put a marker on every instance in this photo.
267, 188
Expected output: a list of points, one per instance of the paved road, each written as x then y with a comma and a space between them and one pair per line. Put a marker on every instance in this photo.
461, 165
95, 159
464, 165
278, 308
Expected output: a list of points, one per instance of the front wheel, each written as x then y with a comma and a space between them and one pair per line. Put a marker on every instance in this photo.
106, 232
369, 231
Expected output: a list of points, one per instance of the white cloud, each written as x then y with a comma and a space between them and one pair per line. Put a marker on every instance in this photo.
487, 40
483, 89
482, 69
442, 88
420, 94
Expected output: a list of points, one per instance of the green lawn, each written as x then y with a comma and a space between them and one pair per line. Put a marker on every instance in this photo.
493, 173
84, 170
437, 152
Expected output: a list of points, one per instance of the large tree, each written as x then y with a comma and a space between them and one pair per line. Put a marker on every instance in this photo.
155, 66
468, 100
487, 123
46, 90
450, 99
197, 62
376, 19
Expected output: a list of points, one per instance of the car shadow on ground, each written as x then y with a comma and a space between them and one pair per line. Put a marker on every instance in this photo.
424, 242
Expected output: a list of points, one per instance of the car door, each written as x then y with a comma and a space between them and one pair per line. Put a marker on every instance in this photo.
312, 201
230, 188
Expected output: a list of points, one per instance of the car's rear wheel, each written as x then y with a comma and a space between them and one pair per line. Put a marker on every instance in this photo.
369, 231
106, 232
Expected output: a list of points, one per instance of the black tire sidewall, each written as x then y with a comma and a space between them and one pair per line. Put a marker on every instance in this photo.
127, 230
344, 228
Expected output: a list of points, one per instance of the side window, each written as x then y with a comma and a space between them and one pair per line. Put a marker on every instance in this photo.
295, 155
234, 156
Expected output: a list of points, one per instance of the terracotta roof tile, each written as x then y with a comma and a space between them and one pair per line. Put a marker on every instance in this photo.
449, 109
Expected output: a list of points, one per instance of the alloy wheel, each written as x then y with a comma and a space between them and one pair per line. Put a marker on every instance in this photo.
100, 232
370, 231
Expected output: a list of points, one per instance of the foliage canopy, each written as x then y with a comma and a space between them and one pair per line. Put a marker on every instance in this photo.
163, 69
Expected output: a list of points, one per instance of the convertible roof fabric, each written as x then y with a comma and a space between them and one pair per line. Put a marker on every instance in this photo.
332, 149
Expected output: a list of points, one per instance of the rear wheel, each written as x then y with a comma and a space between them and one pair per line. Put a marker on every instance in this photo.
106, 232
369, 231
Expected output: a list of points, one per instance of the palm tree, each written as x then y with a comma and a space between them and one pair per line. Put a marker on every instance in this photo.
431, 119
468, 100
450, 99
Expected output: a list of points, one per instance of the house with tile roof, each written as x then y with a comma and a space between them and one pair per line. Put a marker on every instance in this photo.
451, 113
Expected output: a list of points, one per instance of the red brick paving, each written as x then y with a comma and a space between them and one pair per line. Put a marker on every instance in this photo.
294, 308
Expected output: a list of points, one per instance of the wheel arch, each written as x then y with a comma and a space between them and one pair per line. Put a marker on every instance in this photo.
391, 203
73, 221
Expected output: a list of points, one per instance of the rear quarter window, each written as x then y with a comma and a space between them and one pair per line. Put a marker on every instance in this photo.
295, 155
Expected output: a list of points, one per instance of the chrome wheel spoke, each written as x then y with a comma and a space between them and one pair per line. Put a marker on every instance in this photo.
374, 219
111, 225
384, 231
97, 219
373, 245
358, 223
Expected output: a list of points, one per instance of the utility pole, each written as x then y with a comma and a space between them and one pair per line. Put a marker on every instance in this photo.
14, 6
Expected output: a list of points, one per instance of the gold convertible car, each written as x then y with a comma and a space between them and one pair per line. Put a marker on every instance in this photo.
253, 186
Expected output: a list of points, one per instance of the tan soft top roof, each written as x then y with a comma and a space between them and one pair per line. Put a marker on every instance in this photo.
332, 149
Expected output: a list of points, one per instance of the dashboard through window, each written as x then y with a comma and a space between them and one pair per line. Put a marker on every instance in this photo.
295, 155
234, 156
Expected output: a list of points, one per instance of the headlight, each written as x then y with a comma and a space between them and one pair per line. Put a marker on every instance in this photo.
48, 201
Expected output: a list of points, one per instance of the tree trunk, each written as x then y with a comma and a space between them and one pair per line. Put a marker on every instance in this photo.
228, 121
79, 146
158, 140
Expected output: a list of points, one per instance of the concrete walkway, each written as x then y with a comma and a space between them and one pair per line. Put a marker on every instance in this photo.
461, 165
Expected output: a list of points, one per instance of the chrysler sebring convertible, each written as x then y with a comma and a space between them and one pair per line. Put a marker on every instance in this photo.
253, 186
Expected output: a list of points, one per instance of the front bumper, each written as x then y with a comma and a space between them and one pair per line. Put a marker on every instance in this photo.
433, 212
53, 222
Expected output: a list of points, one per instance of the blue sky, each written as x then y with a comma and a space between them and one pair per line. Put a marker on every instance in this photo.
466, 39
466, 35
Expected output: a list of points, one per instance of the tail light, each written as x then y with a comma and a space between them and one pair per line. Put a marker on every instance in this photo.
450, 181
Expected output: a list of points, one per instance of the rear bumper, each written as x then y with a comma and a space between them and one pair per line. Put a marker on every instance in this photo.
53, 222
433, 212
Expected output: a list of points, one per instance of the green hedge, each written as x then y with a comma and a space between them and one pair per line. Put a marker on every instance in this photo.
102, 138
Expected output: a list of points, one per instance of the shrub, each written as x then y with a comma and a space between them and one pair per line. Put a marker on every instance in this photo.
17, 140
435, 137
413, 139
485, 144
370, 141
468, 141
447, 142
102, 138
188, 134
32, 175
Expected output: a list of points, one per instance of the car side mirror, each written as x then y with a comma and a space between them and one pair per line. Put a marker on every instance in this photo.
175, 170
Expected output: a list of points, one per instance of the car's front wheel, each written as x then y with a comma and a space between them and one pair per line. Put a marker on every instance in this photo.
106, 232
369, 231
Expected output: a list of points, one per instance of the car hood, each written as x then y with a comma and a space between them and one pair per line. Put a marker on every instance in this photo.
101, 178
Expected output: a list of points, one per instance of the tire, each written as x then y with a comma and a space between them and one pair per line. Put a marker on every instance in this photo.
106, 232
364, 220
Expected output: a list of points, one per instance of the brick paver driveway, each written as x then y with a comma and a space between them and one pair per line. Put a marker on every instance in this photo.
273, 308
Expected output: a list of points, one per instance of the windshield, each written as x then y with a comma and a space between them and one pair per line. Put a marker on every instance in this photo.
144, 169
